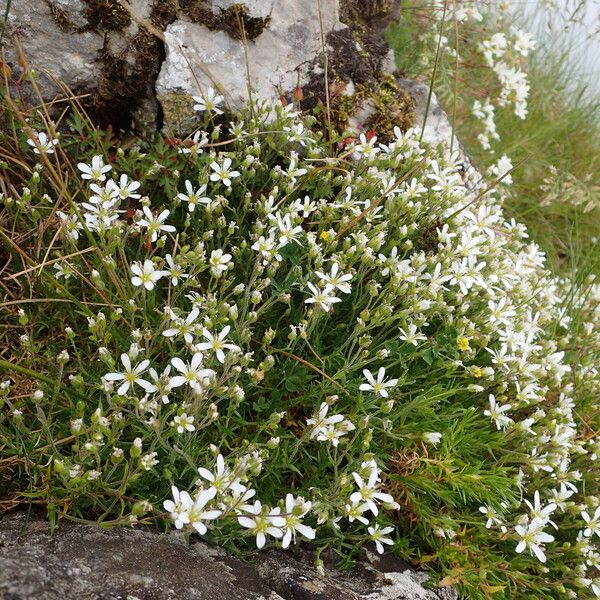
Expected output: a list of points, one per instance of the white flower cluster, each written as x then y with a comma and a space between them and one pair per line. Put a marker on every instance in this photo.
298, 274
503, 54
223, 494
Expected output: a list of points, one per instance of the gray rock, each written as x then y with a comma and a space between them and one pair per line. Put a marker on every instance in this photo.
52, 43
114, 56
438, 127
277, 60
82, 562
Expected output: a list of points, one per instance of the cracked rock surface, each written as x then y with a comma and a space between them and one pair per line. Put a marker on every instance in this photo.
140, 62
82, 562
278, 59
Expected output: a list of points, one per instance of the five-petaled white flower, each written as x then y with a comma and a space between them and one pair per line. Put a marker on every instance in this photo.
378, 536
412, 336
262, 521
322, 297
336, 279
222, 172
221, 479
295, 510
208, 101
131, 375
96, 171
197, 512
125, 188
155, 223
368, 491
192, 373
174, 271
219, 262
193, 197
145, 274
378, 385
184, 422
496, 413
592, 523
533, 538
42, 144
329, 429
178, 507
217, 343
184, 327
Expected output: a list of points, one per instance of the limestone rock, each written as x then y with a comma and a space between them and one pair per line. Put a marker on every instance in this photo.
85, 562
277, 59
438, 127
54, 41
94, 48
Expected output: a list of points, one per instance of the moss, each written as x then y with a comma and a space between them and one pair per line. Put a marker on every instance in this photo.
163, 13
61, 17
235, 20
358, 10
393, 107
178, 109
109, 15
127, 79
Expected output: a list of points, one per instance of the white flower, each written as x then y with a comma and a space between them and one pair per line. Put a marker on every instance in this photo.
96, 171
540, 513
496, 413
131, 375
378, 536
148, 461
219, 262
533, 538
145, 274
217, 342
262, 522
267, 247
412, 336
179, 507
192, 373
222, 172
432, 437
322, 298
197, 513
199, 140
185, 327
194, 197
368, 491
70, 223
356, 510
493, 518
124, 189
42, 144
155, 224
304, 207
329, 429
285, 228
378, 386
295, 510
183, 422
336, 279
63, 270
592, 523
208, 101
174, 271
221, 479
